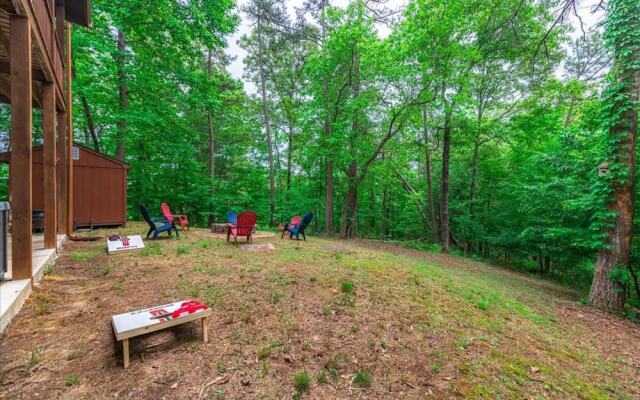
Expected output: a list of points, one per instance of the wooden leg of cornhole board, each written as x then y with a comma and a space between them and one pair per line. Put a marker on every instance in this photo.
205, 337
125, 352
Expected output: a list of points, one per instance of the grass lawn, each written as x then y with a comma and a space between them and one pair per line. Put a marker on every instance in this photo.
321, 319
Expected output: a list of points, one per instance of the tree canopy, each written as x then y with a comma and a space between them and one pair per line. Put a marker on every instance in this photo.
470, 126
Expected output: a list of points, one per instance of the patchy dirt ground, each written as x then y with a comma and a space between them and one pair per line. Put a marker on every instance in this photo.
364, 320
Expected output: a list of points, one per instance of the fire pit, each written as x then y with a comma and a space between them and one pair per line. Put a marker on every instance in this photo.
219, 228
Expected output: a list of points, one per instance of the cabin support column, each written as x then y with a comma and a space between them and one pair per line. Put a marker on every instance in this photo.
61, 173
61, 165
67, 41
49, 164
21, 125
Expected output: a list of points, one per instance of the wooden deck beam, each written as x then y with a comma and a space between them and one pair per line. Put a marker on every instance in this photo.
4, 43
37, 75
49, 164
21, 125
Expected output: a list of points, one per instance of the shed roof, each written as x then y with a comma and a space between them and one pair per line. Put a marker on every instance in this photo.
5, 157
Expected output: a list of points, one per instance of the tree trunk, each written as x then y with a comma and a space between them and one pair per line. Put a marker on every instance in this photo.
87, 135
385, 213
289, 158
123, 91
267, 126
212, 153
607, 293
372, 217
474, 176
212, 136
91, 127
427, 169
349, 209
277, 164
623, 24
328, 226
540, 263
444, 191
348, 217
568, 117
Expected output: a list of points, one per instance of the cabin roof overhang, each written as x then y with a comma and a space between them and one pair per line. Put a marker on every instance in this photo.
77, 11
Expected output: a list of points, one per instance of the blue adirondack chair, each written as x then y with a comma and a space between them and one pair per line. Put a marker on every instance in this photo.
156, 229
232, 217
298, 229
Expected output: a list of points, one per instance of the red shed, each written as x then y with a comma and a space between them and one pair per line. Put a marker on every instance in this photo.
99, 186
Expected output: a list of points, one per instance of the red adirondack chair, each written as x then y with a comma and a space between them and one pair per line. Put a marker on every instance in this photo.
177, 219
295, 220
245, 223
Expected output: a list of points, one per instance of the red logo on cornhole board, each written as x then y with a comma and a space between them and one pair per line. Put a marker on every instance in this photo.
161, 311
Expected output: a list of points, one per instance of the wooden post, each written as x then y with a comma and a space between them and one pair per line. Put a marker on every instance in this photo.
69, 132
125, 352
49, 164
61, 166
205, 335
61, 172
21, 125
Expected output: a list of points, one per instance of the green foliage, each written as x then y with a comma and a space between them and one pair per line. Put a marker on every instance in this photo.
204, 244
348, 287
274, 297
83, 255
221, 368
208, 292
182, 249
151, 249
48, 270
41, 305
264, 352
71, 380
321, 377
32, 360
523, 187
621, 275
362, 379
302, 381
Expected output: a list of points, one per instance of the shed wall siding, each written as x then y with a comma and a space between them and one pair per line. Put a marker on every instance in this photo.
99, 189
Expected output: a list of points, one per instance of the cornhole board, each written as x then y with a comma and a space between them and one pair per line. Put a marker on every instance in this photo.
140, 322
135, 243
